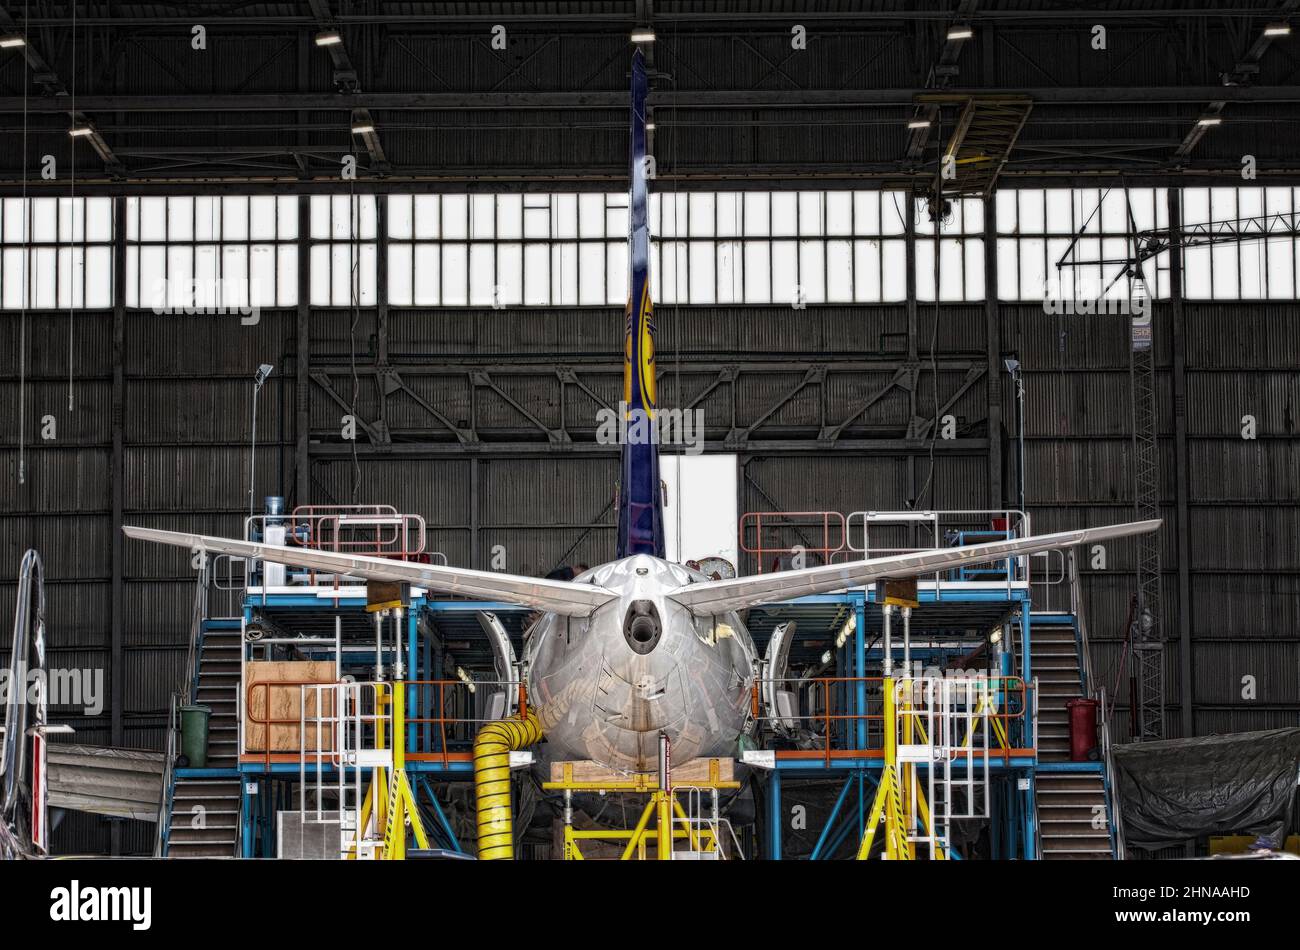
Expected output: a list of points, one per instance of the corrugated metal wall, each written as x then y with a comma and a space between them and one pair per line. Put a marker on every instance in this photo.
187, 386
1242, 494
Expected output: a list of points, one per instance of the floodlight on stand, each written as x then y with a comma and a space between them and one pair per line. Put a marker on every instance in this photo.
1013, 366
263, 371
328, 38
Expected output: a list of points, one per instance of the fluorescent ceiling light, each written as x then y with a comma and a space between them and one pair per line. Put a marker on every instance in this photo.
1209, 120
960, 32
918, 123
643, 36
11, 41
77, 131
649, 126
1278, 29
328, 38
361, 128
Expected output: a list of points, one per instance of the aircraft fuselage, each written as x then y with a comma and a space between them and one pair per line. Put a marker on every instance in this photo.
606, 686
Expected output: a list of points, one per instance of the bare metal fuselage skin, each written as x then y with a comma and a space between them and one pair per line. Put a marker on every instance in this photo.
599, 699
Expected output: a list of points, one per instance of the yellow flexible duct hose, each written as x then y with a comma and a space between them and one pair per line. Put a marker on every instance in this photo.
492, 748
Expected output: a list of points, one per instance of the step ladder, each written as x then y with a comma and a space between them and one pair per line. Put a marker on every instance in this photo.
1073, 812
945, 729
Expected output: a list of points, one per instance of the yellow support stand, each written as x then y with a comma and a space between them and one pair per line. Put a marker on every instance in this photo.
389, 796
670, 821
894, 805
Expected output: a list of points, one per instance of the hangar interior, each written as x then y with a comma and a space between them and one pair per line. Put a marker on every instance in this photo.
925, 271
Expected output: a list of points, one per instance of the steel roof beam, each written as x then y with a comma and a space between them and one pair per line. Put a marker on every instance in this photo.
686, 99
54, 87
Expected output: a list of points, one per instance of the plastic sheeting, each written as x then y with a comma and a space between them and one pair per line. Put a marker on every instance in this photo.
1179, 789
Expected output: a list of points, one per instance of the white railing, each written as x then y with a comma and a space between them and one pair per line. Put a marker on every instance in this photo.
869, 534
944, 725
351, 732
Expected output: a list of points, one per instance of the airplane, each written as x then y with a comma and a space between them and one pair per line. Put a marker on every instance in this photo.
640, 647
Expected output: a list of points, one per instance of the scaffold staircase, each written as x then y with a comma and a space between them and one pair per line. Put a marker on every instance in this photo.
204, 809
1074, 808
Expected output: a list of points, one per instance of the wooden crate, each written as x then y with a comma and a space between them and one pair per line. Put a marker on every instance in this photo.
285, 703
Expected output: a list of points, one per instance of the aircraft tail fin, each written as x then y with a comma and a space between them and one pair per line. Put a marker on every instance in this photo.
640, 499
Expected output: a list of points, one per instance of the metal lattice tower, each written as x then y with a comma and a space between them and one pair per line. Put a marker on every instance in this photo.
1146, 636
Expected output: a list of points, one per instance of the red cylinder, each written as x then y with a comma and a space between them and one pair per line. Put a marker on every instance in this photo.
1083, 729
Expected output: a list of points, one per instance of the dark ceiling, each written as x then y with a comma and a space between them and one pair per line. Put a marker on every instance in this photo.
732, 98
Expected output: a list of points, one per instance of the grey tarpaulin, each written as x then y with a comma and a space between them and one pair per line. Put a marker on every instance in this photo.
1178, 789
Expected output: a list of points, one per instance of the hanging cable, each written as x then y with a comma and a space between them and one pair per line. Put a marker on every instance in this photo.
27, 263
677, 304
354, 222
936, 214
72, 194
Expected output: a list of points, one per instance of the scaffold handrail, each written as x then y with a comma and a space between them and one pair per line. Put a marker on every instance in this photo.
421, 710
830, 523
840, 537
1009, 705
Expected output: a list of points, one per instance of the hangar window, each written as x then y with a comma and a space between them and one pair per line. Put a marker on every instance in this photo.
959, 236
788, 247
343, 254
504, 250
1263, 268
56, 253
706, 248
1088, 232
211, 253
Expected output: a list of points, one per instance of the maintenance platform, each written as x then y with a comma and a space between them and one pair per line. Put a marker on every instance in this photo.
905, 721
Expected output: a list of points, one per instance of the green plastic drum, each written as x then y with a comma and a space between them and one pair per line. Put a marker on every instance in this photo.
194, 735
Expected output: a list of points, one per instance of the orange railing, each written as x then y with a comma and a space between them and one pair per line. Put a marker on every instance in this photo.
799, 524
427, 705
318, 719
365, 530
435, 713
839, 715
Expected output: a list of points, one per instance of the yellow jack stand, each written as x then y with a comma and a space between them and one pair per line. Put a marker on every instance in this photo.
671, 823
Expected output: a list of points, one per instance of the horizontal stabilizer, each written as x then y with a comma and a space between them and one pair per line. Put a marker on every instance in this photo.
713, 597
561, 597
